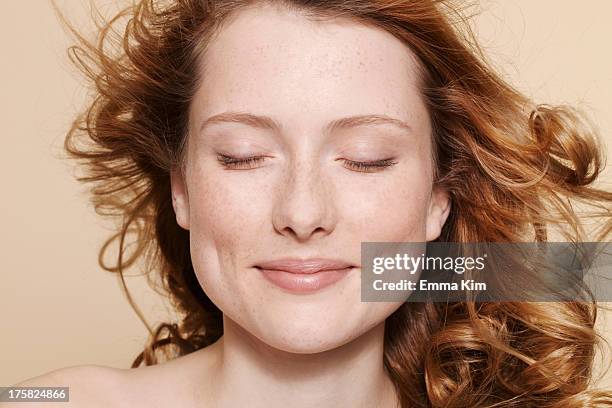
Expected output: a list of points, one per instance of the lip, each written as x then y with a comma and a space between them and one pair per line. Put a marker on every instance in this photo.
312, 265
304, 275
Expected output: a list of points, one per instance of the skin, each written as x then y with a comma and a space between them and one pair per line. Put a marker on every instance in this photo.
303, 199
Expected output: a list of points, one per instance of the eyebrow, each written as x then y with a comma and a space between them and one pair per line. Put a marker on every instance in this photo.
267, 123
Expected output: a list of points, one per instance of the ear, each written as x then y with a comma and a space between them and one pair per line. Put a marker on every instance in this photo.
180, 198
439, 208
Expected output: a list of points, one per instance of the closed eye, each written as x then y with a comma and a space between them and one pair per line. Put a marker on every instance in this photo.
369, 166
245, 163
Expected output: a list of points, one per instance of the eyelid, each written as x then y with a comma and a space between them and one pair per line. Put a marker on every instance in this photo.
238, 163
370, 166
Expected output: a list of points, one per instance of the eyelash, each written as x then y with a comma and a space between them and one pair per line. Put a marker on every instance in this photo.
237, 163
366, 167
363, 167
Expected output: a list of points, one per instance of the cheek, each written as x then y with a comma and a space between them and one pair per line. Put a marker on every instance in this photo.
224, 221
223, 211
391, 207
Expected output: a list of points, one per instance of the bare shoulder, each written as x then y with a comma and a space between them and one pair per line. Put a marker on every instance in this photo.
172, 383
88, 385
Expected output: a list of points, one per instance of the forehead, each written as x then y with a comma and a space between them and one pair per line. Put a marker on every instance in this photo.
273, 61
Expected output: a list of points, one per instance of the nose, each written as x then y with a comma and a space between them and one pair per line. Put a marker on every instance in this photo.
304, 205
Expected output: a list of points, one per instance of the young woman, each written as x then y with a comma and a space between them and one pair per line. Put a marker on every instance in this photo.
252, 146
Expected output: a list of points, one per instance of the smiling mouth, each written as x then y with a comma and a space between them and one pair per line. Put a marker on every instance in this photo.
304, 281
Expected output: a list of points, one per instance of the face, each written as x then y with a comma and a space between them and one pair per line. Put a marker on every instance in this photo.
306, 138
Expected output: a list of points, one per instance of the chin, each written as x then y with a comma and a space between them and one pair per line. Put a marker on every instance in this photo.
307, 343
310, 334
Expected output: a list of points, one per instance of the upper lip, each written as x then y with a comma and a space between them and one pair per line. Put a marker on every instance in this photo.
311, 265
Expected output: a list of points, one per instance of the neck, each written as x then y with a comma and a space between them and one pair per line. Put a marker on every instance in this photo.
247, 372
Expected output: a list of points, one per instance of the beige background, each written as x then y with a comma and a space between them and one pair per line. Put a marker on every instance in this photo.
58, 308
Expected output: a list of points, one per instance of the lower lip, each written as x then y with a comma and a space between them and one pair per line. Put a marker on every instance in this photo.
304, 282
